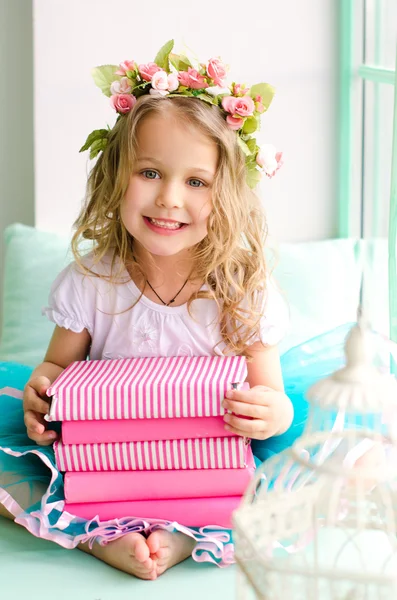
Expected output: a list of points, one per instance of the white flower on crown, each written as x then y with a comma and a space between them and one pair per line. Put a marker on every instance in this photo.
269, 159
217, 90
163, 84
122, 86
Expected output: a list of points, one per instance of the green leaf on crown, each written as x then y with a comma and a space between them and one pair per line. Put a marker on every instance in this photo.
97, 141
97, 147
253, 177
265, 90
251, 143
250, 125
243, 146
207, 98
140, 89
104, 76
162, 56
181, 92
180, 62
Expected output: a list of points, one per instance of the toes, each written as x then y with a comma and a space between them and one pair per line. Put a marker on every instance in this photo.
162, 553
140, 550
154, 542
148, 564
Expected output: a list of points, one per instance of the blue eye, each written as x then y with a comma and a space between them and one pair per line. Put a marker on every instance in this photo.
195, 183
150, 174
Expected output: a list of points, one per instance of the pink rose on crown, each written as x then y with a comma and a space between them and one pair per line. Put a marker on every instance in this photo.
192, 79
269, 159
147, 71
127, 65
258, 104
239, 89
234, 123
121, 87
216, 71
241, 107
123, 103
163, 84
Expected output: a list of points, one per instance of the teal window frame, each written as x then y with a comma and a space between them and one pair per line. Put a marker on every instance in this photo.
349, 72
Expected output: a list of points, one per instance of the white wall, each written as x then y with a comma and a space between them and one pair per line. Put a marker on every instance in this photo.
291, 44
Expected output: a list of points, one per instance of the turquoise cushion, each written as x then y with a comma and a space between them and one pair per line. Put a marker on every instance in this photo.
320, 281
32, 261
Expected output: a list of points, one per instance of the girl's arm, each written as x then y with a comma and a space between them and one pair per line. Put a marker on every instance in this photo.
270, 410
65, 347
265, 368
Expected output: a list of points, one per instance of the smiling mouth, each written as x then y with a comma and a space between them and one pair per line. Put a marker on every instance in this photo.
165, 224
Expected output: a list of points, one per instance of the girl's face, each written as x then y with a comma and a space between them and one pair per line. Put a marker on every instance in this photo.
168, 200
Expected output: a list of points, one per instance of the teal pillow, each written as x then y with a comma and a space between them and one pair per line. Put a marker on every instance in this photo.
321, 282
33, 259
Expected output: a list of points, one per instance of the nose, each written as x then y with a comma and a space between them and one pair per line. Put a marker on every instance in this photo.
170, 195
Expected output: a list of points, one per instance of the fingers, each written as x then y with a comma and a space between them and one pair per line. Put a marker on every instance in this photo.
253, 396
255, 428
256, 411
36, 405
36, 429
34, 397
34, 422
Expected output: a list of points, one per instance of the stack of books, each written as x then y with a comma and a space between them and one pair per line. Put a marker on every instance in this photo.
145, 437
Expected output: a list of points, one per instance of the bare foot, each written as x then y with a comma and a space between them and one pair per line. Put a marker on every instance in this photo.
168, 549
129, 553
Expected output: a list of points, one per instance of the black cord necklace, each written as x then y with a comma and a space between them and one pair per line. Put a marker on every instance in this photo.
173, 299
154, 291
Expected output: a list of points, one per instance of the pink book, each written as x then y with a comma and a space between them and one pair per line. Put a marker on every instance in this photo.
140, 430
144, 388
157, 485
205, 453
191, 512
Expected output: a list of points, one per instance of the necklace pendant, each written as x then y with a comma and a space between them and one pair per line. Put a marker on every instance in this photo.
161, 300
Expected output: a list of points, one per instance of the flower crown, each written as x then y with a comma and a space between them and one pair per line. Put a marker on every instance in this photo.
175, 75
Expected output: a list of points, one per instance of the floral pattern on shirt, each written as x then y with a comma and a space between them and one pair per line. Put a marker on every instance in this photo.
184, 350
146, 337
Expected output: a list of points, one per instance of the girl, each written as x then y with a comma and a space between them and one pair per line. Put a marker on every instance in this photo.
177, 268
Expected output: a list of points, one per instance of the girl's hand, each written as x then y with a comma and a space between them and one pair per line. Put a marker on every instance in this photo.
35, 406
270, 412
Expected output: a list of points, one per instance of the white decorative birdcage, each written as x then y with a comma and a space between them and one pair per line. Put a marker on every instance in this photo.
319, 521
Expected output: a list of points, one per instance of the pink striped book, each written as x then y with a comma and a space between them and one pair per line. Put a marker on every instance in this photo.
157, 485
205, 453
191, 512
140, 430
144, 388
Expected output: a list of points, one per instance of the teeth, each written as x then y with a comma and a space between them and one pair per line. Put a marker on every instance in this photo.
165, 224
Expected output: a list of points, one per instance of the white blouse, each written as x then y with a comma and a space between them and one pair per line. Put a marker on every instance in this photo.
79, 301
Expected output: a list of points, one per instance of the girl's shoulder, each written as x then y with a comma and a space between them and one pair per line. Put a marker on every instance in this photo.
79, 290
84, 278
91, 267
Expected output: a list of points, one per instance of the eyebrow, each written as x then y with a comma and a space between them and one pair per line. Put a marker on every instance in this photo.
151, 159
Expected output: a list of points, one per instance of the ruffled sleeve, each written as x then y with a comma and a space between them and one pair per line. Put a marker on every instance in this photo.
69, 302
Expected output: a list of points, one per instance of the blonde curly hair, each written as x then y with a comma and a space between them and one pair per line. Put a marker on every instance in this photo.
230, 260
